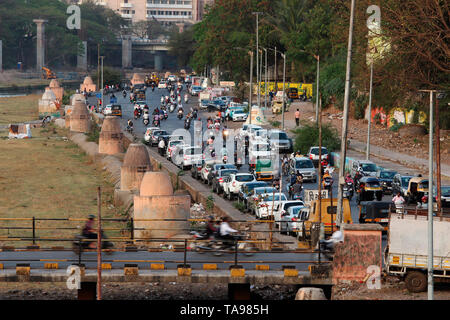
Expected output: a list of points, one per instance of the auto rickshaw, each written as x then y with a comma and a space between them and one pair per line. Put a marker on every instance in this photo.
417, 188
375, 212
116, 110
292, 93
368, 189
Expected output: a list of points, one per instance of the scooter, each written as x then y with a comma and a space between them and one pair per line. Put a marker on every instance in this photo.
124, 94
180, 114
171, 108
136, 114
166, 115
187, 123
186, 98
217, 126
80, 244
156, 123
327, 182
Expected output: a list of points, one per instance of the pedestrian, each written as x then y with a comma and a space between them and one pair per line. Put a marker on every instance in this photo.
297, 117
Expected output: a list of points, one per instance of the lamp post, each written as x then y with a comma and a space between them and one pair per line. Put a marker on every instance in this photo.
102, 57
265, 82
250, 52
317, 89
284, 90
370, 110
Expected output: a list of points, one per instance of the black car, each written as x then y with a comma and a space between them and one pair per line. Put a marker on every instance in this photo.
217, 181
216, 105
400, 184
216, 168
386, 177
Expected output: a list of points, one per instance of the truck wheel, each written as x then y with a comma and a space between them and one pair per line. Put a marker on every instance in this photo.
416, 281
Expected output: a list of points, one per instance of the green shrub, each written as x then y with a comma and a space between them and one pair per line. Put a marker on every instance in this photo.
66, 97
360, 106
94, 134
308, 136
240, 206
275, 124
210, 204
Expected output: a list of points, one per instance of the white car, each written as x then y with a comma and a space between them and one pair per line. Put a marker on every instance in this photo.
232, 184
245, 130
185, 156
239, 115
313, 154
292, 220
107, 110
162, 84
282, 209
171, 145
267, 201
148, 133
172, 78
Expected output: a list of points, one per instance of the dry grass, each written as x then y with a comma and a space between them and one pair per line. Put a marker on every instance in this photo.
50, 177
19, 109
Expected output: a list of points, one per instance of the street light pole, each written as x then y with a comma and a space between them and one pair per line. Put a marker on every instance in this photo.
257, 50
251, 85
276, 73
317, 89
343, 153
265, 83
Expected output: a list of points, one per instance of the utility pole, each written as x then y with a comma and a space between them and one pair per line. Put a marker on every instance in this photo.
265, 83
257, 50
251, 85
276, 73
99, 245
317, 89
430, 202
284, 89
370, 110
438, 159
103, 105
345, 119
260, 79
98, 66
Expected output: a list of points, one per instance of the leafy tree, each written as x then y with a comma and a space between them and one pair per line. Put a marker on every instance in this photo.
308, 136
182, 46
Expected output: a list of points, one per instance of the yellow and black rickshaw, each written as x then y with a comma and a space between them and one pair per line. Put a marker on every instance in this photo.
368, 189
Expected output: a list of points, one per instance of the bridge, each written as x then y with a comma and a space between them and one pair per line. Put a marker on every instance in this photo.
158, 48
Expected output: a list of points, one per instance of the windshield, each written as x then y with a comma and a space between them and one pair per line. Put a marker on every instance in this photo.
304, 164
387, 174
197, 88
265, 190
296, 210
245, 178
250, 186
373, 184
261, 147
369, 167
239, 111
315, 151
445, 191
276, 197
175, 143
224, 173
405, 181
158, 133
193, 151
424, 184
278, 136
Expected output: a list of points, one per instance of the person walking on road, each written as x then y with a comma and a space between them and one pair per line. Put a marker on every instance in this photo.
297, 117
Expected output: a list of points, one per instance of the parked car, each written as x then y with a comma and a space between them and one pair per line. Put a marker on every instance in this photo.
232, 184
313, 154
445, 196
386, 177
185, 156
400, 184
253, 198
215, 168
368, 167
282, 208
148, 133
171, 147
247, 189
304, 166
288, 218
218, 179
267, 203
156, 134
280, 141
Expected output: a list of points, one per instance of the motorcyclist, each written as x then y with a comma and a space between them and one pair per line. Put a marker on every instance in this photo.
210, 228
89, 231
124, 92
358, 175
336, 237
348, 178
225, 231
295, 189
327, 180
398, 200
130, 125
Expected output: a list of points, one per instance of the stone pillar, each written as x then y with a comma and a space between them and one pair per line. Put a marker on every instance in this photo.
82, 58
127, 52
40, 48
158, 61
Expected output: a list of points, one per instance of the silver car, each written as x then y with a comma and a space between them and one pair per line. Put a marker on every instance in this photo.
280, 141
305, 167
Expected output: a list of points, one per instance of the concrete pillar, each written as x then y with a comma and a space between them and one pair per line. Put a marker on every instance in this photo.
82, 58
127, 52
40, 48
158, 61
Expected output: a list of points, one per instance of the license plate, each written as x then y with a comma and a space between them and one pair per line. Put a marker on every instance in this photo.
384, 220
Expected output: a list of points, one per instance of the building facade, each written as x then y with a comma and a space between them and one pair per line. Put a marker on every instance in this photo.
165, 11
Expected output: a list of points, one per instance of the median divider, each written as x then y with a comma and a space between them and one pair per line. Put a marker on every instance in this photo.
157, 266
184, 270
290, 271
209, 266
262, 267
237, 271
131, 270
23, 269
49, 265
106, 266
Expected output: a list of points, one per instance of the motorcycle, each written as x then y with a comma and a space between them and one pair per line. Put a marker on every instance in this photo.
80, 244
327, 182
166, 116
137, 114
187, 124
220, 246
156, 123
171, 108
348, 190
186, 98
194, 114
217, 125
130, 129
180, 115
124, 94
146, 119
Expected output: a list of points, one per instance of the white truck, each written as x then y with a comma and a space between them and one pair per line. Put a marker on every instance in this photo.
406, 255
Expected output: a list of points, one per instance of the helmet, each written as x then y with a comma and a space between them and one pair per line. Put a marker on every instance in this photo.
91, 216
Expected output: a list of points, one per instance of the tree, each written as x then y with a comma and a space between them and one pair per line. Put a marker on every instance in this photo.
182, 46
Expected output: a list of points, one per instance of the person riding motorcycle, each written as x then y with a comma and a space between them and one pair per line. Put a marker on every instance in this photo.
348, 178
211, 230
124, 93
130, 125
358, 176
327, 180
329, 244
226, 232
295, 189
89, 231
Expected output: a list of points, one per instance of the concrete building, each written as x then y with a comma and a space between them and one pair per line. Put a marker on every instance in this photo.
166, 11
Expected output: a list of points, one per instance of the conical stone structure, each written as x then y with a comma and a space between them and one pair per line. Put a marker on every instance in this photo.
80, 118
135, 164
111, 136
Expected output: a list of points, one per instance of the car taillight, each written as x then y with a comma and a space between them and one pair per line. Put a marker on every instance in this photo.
203, 157
294, 219
185, 157
220, 179
310, 156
